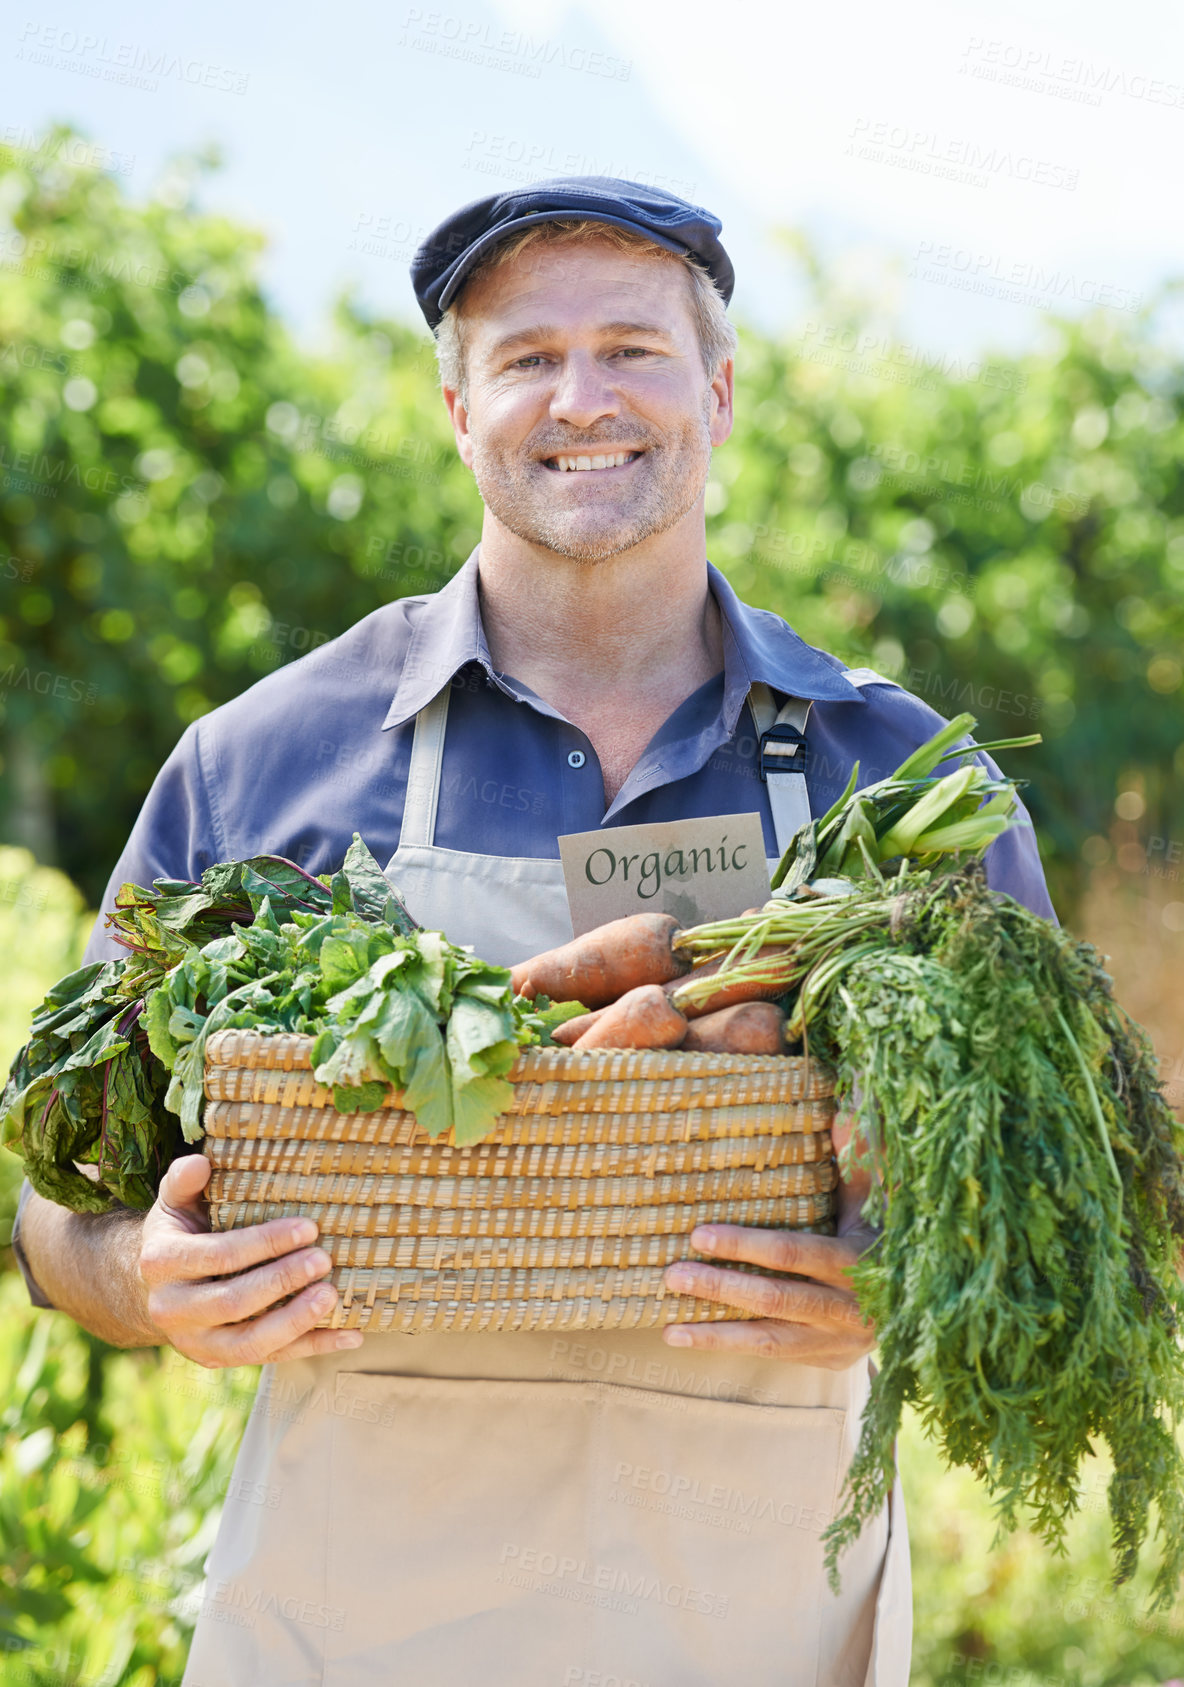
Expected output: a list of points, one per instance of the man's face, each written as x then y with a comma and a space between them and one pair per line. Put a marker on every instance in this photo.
581, 355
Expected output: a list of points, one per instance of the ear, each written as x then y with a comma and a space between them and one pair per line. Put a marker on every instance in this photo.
458, 415
722, 415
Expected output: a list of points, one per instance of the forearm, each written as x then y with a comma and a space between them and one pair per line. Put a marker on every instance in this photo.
88, 1266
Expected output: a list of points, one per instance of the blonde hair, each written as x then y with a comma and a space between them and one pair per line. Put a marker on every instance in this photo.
716, 335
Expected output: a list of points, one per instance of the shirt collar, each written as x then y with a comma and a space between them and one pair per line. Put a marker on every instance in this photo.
446, 636
758, 646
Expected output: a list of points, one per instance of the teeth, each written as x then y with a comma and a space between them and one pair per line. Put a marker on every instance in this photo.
572, 465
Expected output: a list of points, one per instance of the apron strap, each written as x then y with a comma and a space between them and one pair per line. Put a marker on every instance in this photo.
423, 775
782, 755
782, 759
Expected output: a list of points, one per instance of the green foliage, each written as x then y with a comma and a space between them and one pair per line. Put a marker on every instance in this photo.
112, 1076
911, 813
113, 1468
79, 1092
187, 499
1024, 1287
43, 931
1025, 1290
91, 1085
1005, 536
431, 1018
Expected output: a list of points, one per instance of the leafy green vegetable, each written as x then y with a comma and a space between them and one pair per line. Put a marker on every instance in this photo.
910, 814
542, 1015
112, 1074
84, 1088
427, 1017
1030, 1192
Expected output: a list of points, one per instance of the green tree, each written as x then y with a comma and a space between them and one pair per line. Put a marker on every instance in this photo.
1002, 535
188, 498
185, 498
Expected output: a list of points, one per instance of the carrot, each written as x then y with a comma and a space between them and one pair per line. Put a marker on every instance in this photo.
747, 1028
643, 1018
604, 964
567, 1033
740, 990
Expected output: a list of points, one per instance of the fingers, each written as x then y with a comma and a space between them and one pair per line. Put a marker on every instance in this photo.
767, 1297
180, 1191
825, 1258
316, 1342
765, 1339
284, 1332
169, 1255
228, 1300
212, 1295
261, 1341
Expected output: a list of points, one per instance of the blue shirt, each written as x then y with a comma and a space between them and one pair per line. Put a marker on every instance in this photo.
320, 749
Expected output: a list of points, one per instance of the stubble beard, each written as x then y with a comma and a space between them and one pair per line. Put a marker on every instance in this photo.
671, 478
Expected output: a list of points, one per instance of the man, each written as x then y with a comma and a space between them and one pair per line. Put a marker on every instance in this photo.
523, 1508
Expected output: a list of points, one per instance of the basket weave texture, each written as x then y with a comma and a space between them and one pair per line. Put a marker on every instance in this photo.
563, 1218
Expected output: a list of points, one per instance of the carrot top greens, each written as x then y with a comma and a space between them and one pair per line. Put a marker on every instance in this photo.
1030, 1193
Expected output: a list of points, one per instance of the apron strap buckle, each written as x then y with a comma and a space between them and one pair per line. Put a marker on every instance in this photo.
783, 749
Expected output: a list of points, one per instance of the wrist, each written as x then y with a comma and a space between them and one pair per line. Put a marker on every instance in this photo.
89, 1266
131, 1299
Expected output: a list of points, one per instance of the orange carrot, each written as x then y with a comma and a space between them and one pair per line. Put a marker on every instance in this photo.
567, 1033
747, 1028
604, 964
643, 1018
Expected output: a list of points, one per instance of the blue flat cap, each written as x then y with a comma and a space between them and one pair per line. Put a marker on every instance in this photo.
448, 254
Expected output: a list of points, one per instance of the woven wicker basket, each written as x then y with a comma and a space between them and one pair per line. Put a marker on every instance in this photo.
563, 1218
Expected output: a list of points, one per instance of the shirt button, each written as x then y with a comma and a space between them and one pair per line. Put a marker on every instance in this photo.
576, 758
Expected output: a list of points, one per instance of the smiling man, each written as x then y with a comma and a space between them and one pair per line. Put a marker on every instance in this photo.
645, 461
517, 1508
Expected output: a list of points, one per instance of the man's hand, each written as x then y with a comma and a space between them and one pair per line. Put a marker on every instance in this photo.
813, 1323
210, 1314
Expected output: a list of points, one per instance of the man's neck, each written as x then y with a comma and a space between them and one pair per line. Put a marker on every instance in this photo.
592, 629
614, 646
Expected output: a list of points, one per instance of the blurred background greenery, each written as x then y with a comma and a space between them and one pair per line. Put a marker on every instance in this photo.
187, 500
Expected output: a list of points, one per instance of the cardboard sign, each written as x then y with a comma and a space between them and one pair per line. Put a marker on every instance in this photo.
697, 870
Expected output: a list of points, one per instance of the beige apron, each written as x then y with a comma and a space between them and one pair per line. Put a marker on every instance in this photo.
541, 1509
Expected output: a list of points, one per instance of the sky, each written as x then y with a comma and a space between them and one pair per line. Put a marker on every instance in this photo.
969, 168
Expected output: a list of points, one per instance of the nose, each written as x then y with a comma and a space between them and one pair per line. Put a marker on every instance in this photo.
584, 392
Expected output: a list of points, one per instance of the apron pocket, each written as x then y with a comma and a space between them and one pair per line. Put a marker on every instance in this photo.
574, 1533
